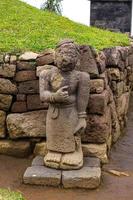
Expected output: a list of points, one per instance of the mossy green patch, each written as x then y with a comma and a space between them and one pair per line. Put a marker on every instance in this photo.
23, 27
6, 194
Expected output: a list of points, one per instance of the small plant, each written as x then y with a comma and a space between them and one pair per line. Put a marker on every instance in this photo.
7, 194
53, 6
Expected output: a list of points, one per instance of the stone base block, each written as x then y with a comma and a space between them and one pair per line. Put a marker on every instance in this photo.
88, 177
41, 175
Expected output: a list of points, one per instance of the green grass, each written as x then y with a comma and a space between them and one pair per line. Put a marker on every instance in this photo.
23, 27
6, 194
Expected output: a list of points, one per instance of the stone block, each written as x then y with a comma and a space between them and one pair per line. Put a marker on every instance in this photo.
7, 58
116, 56
96, 86
104, 77
117, 88
34, 103
88, 177
5, 102
25, 76
88, 61
23, 65
2, 123
29, 87
38, 161
114, 74
101, 62
98, 128
15, 148
28, 56
122, 104
13, 59
47, 57
7, 87
41, 68
116, 132
7, 71
30, 124
41, 175
19, 107
21, 97
96, 150
98, 103
40, 149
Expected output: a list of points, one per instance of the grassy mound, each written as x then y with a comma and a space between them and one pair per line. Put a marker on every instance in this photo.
9, 195
23, 27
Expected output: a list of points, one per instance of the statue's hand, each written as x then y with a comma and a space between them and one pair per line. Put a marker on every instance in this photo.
61, 95
81, 124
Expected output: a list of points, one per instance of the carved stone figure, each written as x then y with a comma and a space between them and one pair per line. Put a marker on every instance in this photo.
67, 92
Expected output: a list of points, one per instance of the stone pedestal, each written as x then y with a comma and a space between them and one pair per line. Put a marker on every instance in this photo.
88, 177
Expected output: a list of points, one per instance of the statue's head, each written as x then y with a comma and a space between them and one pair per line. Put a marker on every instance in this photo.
67, 55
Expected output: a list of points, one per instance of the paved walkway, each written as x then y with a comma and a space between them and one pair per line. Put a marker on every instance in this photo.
112, 187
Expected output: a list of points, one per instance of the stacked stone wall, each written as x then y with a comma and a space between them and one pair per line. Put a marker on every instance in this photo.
111, 14
23, 115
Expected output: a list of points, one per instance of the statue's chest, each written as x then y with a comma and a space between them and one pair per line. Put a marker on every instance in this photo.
59, 80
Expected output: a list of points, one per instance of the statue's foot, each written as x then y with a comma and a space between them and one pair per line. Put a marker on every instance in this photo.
73, 160
52, 159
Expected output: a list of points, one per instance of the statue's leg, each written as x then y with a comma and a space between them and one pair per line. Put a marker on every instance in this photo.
52, 159
73, 160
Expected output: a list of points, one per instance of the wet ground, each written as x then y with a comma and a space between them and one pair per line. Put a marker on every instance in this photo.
112, 187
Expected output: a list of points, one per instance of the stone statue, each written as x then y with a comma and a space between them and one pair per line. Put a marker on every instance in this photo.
67, 92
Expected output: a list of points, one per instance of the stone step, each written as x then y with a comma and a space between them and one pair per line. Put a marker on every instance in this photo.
89, 177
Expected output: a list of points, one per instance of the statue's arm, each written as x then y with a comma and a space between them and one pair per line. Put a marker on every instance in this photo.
46, 95
83, 94
44, 87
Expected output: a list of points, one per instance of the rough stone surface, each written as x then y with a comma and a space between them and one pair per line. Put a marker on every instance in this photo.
41, 175
23, 65
30, 124
2, 123
96, 86
19, 107
29, 87
15, 148
115, 74
101, 62
88, 61
98, 128
25, 76
7, 71
27, 56
96, 150
13, 59
21, 97
98, 103
41, 149
41, 68
116, 132
47, 57
88, 177
34, 103
5, 102
7, 87
122, 105
117, 88
38, 161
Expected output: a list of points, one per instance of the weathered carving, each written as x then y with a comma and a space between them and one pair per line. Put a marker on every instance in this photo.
67, 92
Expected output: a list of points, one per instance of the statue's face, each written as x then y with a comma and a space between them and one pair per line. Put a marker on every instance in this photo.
66, 57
